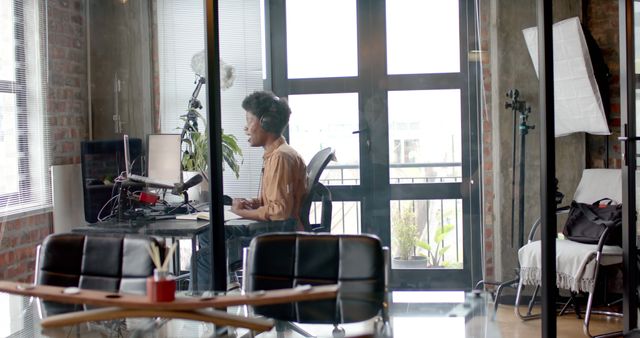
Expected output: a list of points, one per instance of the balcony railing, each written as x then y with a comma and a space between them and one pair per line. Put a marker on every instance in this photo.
430, 214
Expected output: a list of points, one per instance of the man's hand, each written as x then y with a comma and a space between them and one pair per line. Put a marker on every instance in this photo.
246, 208
240, 204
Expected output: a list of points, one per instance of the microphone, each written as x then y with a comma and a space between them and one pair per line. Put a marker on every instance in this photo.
180, 188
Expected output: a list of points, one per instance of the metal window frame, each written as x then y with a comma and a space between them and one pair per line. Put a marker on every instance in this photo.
371, 71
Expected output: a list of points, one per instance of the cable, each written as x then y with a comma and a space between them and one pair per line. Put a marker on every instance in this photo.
107, 203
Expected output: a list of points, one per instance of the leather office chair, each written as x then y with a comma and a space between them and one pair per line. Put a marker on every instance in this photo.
116, 264
357, 263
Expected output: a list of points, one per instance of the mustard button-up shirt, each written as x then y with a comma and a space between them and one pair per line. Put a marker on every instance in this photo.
284, 182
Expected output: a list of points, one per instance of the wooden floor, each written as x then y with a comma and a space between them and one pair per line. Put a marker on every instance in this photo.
569, 326
506, 325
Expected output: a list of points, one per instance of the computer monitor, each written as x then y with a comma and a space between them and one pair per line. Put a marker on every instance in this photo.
127, 156
102, 162
164, 157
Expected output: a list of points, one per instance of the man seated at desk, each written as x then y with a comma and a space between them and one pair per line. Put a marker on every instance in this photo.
283, 181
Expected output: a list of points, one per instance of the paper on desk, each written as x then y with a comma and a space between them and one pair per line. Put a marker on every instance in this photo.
197, 215
204, 215
228, 215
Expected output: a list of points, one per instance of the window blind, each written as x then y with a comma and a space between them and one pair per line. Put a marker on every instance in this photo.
24, 134
181, 34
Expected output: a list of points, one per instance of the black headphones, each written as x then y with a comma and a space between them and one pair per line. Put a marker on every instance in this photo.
270, 121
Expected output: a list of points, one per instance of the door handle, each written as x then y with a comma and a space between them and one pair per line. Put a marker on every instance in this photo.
364, 131
626, 140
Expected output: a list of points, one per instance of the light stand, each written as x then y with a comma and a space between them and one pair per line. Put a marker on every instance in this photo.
191, 118
191, 125
520, 109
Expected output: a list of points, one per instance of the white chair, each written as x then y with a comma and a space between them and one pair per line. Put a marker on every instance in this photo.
577, 264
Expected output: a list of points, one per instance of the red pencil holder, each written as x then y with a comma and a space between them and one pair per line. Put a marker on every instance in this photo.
161, 290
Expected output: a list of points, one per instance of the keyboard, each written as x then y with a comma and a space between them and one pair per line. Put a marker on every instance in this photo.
150, 182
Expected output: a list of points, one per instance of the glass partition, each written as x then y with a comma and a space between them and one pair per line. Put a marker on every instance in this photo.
419, 125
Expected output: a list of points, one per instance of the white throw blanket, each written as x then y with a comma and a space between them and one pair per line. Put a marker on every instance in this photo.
575, 272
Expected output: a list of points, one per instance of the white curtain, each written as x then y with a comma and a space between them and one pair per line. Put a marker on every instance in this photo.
181, 35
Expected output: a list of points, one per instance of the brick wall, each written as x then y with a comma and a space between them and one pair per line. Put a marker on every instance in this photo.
67, 105
488, 194
67, 79
601, 18
17, 246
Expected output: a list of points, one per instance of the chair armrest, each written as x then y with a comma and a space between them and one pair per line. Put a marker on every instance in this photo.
534, 229
532, 233
327, 209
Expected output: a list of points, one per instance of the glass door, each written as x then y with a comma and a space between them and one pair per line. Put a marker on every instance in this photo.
629, 96
400, 116
431, 126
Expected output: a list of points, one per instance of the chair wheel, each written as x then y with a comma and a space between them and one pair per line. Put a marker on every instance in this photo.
338, 332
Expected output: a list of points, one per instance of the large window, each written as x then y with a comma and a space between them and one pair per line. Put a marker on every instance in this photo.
388, 85
23, 131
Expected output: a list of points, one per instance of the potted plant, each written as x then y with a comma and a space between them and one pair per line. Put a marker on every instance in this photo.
436, 249
195, 154
405, 237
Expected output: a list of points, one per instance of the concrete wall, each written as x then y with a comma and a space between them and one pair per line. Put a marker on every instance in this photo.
120, 50
511, 67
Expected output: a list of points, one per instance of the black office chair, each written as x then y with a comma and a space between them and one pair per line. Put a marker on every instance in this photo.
114, 264
314, 188
357, 263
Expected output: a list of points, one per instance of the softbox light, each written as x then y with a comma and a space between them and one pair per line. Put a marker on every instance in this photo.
578, 105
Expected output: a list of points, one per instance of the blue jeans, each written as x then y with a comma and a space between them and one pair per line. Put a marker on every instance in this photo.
237, 236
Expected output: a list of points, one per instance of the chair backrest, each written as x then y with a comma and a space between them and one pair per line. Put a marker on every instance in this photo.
314, 170
318, 162
599, 183
116, 264
285, 260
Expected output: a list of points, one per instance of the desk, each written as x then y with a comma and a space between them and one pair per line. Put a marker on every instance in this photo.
411, 315
173, 228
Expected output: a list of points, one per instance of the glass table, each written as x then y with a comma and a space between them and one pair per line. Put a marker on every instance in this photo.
411, 314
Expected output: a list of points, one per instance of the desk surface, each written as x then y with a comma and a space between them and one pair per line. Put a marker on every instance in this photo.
164, 227
412, 314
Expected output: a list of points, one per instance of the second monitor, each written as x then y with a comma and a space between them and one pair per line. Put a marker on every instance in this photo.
164, 157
